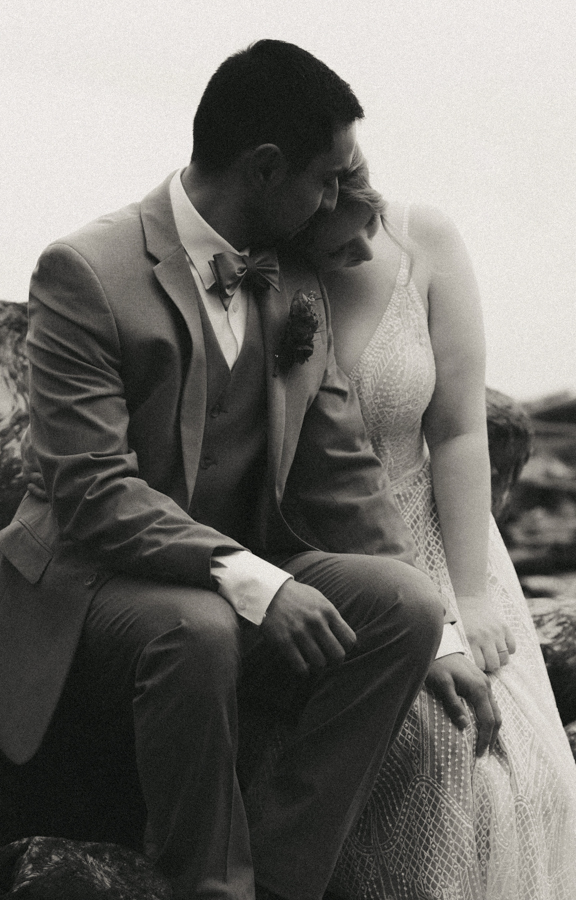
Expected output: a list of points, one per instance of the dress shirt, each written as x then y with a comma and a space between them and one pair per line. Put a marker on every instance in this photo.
246, 581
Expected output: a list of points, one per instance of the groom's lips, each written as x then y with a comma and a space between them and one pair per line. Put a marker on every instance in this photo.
300, 227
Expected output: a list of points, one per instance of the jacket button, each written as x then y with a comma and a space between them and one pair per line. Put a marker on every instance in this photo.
91, 579
207, 461
215, 411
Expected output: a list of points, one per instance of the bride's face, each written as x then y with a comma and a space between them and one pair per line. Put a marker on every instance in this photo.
342, 238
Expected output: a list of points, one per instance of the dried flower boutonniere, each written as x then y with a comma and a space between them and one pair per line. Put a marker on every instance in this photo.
297, 344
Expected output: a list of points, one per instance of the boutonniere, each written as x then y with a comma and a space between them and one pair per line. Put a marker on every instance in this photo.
297, 343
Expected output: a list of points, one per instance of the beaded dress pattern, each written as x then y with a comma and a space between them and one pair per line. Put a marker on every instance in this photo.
441, 824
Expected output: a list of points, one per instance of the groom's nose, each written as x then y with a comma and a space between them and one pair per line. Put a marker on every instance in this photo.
330, 197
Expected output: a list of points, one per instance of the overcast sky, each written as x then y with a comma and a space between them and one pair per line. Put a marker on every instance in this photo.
470, 105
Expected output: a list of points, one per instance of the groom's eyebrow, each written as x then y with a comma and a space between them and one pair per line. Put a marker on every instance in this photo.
335, 173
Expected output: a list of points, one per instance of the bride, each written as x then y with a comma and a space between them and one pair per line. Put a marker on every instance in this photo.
443, 823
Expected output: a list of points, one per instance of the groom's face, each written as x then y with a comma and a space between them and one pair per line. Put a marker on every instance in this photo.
301, 194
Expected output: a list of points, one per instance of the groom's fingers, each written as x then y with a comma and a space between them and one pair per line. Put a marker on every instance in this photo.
326, 640
306, 628
335, 639
295, 659
340, 630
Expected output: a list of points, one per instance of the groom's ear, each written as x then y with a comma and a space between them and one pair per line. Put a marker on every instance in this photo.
267, 166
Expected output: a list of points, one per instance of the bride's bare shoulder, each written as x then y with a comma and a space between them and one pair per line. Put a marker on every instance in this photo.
431, 229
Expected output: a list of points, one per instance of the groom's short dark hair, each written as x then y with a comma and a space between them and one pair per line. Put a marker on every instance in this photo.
271, 93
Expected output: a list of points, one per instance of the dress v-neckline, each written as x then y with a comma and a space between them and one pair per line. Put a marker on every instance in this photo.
396, 292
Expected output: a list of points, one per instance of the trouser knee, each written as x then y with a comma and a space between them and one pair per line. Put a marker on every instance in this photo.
381, 598
198, 658
420, 607
139, 634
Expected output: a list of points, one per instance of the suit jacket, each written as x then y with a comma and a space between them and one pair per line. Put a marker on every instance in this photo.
118, 402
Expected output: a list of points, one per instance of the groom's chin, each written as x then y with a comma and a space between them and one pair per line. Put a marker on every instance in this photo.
299, 230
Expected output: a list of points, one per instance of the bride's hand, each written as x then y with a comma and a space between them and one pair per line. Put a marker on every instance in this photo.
490, 639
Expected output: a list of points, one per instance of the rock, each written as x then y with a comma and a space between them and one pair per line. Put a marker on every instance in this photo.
562, 584
510, 436
13, 404
540, 526
53, 868
571, 735
555, 621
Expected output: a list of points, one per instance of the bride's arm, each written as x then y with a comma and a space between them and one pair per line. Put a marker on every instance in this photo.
455, 429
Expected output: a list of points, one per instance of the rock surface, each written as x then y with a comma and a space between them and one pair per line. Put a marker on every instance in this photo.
555, 621
13, 404
540, 526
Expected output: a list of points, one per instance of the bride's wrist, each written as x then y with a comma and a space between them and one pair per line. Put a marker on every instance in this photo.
472, 601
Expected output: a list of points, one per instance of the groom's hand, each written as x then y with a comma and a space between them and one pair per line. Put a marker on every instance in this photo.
306, 628
453, 677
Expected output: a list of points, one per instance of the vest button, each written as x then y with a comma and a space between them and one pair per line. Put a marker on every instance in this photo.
91, 579
207, 461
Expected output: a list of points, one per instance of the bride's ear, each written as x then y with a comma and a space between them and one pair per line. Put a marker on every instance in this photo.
266, 166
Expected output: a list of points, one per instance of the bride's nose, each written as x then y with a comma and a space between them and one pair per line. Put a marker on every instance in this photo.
363, 248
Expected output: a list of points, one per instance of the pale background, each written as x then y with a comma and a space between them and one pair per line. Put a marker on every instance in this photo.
470, 105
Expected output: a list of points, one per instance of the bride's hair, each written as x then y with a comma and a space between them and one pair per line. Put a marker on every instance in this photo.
354, 185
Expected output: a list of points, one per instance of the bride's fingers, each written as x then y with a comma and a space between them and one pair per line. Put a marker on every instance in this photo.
493, 659
477, 653
510, 640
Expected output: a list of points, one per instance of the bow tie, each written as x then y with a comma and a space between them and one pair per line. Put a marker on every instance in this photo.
259, 270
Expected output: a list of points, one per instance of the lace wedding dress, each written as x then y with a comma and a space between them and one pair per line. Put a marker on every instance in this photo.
440, 823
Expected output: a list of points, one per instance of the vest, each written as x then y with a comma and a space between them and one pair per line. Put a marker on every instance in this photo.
230, 486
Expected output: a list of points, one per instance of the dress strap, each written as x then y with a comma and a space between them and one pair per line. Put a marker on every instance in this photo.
405, 221
405, 270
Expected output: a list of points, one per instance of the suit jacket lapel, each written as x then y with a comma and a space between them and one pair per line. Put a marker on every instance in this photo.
173, 273
287, 393
274, 309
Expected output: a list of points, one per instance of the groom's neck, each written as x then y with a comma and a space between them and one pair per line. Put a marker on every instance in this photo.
220, 201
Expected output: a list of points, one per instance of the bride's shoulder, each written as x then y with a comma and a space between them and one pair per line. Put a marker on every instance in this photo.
431, 229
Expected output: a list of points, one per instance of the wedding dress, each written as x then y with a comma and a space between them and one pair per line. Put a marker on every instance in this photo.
440, 823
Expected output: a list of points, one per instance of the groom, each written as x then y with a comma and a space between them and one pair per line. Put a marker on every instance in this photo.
215, 515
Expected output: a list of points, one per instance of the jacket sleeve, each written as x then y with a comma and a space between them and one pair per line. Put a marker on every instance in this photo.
79, 421
337, 494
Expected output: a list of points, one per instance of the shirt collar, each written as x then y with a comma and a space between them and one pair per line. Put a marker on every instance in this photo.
198, 238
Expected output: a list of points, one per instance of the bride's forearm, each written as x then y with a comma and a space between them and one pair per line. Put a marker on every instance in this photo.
461, 480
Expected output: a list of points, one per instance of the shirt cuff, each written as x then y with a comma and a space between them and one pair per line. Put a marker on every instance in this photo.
450, 642
247, 582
